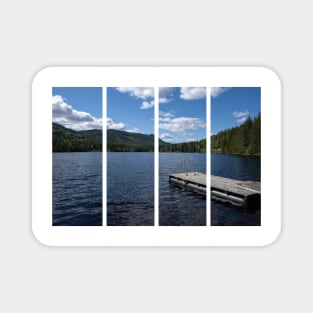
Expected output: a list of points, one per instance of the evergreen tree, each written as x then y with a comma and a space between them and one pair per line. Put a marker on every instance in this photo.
244, 139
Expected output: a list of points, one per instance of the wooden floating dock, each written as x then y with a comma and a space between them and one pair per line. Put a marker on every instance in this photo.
236, 192
226, 190
193, 181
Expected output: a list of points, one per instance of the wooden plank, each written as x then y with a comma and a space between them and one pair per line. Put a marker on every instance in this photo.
192, 181
232, 191
243, 188
191, 177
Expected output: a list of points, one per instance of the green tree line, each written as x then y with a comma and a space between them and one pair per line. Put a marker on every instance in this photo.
193, 146
68, 140
123, 141
128, 148
244, 139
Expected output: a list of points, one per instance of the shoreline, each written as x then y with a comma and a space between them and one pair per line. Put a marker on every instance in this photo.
240, 154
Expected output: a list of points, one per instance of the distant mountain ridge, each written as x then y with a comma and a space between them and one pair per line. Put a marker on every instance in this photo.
197, 146
122, 141
69, 140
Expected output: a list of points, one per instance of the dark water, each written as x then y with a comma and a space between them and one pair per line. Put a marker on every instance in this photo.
77, 189
177, 207
236, 167
130, 188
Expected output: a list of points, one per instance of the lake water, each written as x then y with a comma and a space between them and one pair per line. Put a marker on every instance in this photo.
130, 188
77, 189
177, 207
236, 167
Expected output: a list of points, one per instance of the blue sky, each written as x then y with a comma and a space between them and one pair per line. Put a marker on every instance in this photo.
230, 107
182, 114
131, 109
182, 111
78, 108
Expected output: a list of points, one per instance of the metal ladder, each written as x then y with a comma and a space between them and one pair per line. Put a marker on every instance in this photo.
188, 166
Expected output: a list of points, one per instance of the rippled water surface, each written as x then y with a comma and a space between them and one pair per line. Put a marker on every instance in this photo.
236, 167
178, 207
130, 188
77, 189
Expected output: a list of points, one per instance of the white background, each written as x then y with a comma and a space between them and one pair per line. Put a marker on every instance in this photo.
36, 34
47, 234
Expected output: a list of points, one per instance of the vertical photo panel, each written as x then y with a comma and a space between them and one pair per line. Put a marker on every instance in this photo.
130, 156
182, 156
77, 156
236, 156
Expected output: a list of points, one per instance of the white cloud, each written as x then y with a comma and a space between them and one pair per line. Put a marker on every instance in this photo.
147, 105
164, 100
217, 91
186, 93
167, 137
165, 116
241, 116
181, 125
192, 93
134, 130
166, 91
143, 93
242, 120
65, 115
112, 125
120, 126
166, 94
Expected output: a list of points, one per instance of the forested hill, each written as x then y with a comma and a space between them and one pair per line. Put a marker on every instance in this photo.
68, 140
244, 139
122, 141
193, 146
